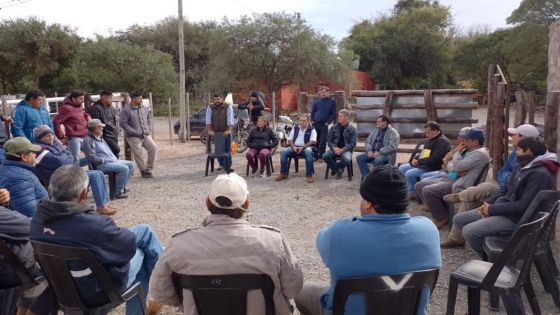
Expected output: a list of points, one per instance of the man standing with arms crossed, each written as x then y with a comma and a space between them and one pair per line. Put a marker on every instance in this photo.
323, 113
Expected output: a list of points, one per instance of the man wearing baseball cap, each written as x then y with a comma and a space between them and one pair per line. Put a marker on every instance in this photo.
473, 196
101, 157
228, 244
383, 241
16, 175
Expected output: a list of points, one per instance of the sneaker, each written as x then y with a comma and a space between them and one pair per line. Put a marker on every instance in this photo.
121, 196
154, 308
254, 173
452, 198
449, 243
147, 175
262, 174
333, 172
310, 179
106, 210
281, 177
339, 174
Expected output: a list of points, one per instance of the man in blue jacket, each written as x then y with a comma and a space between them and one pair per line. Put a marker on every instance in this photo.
384, 240
29, 114
16, 175
129, 255
323, 112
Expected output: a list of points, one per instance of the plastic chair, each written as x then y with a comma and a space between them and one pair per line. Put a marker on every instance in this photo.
224, 294
9, 296
500, 276
479, 179
545, 201
381, 295
219, 153
269, 166
112, 178
55, 259
349, 169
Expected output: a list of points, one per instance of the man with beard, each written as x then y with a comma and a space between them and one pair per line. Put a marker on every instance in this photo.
535, 171
107, 114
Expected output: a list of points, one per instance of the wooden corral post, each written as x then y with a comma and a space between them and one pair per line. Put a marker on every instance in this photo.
153, 115
56, 103
431, 112
551, 120
498, 132
87, 102
340, 100
273, 110
531, 101
127, 150
388, 104
302, 99
521, 110
169, 116
490, 112
6, 111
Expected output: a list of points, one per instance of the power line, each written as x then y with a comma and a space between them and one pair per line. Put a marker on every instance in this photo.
12, 3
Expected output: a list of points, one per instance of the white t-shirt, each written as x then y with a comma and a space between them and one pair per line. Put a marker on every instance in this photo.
300, 142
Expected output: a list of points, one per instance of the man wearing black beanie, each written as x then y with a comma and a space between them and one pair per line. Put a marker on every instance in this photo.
384, 240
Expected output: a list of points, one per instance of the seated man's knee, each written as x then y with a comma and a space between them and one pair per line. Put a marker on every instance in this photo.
328, 155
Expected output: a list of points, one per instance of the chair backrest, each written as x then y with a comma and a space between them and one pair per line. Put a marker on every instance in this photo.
549, 224
542, 202
219, 143
224, 294
8, 258
482, 176
523, 242
55, 262
392, 294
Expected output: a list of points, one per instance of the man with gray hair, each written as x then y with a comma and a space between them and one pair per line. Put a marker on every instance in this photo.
341, 140
129, 255
228, 244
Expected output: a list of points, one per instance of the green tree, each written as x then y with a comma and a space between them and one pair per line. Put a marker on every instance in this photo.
164, 36
542, 12
274, 50
33, 53
109, 64
407, 49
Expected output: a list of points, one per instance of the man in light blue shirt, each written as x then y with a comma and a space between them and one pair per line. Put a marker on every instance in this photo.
219, 118
384, 240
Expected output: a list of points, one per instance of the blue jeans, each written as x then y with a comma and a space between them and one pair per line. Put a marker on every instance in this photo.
2, 155
288, 152
123, 169
475, 228
74, 146
433, 175
412, 175
363, 161
329, 158
222, 162
148, 250
97, 183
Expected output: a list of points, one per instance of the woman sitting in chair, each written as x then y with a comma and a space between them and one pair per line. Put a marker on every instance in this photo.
262, 139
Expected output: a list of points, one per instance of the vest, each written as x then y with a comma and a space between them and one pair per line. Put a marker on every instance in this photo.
219, 117
307, 135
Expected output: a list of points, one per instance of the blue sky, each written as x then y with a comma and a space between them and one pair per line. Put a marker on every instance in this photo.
331, 17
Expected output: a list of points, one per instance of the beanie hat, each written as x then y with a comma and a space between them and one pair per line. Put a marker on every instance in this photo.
385, 186
41, 131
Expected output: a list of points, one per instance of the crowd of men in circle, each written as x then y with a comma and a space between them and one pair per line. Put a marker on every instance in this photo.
436, 176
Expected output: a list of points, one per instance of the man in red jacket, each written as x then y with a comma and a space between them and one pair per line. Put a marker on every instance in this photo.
74, 119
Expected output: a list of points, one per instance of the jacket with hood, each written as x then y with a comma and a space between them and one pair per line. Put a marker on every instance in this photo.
14, 230
72, 224
26, 118
108, 116
523, 185
25, 189
74, 119
52, 157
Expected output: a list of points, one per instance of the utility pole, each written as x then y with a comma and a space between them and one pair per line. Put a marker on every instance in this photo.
182, 118
298, 68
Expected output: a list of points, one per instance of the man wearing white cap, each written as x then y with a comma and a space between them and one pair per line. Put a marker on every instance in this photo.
473, 196
228, 244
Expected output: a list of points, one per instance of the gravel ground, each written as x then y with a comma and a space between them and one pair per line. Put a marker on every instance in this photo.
174, 200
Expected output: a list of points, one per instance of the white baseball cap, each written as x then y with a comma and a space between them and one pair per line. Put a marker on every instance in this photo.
230, 186
525, 130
